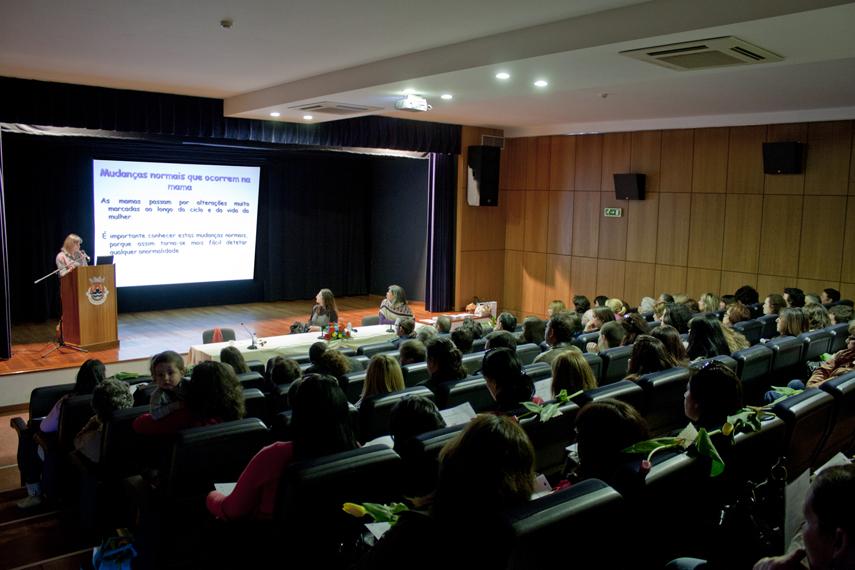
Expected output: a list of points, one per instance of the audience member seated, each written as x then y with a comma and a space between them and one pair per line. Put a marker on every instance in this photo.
506, 322
571, 372
633, 325
678, 316
444, 363
581, 303
533, 330
507, 382
693, 306
320, 425
167, 372
726, 301
670, 338
646, 305
333, 363
612, 334
425, 332
231, 355
411, 352
325, 310
405, 330
817, 317
735, 340
443, 325
618, 307
281, 371
794, 297
463, 339
659, 311
559, 336
213, 395
108, 396
648, 355
600, 301
485, 470
394, 306
706, 339
666, 298
382, 377
708, 303
812, 299
501, 339
842, 362
89, 376
599, 317
792, 322
736, 313
475, 326
773, 304
315, 352
714, 392
555, 307
747, 295
840, 314
409, 418
829, 296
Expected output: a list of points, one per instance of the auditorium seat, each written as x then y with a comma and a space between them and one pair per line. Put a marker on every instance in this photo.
752, 330
663, 397
370, 350
255, 404
786, 358
756, 310
815, 343
472, 362
583, 339
42, 401
527, 353
809, 417
255, 366
538, 371
374, 411
842, 435
615, 363
227, 334
769, 324
479, 345
754, 366
595, 362
251, 380
472, 390
726, 360
355, 383
623, 390
589, 514
550, 439
415, 373
840, 333
752, 454
370, 321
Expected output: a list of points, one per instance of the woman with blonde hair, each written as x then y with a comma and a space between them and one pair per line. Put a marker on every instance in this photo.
708, 303
555, 307
383, 376
71, 256
792, 322
571, 372
617, 306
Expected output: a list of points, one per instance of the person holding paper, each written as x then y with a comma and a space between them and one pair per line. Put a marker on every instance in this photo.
71, 256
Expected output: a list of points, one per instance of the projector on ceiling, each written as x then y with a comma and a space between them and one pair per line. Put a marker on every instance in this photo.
412, 103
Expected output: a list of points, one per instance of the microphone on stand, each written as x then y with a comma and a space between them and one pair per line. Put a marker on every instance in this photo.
251, 336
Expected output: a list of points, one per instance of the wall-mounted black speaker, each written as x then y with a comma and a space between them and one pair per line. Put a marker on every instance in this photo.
783, 157
629, 186
482, 187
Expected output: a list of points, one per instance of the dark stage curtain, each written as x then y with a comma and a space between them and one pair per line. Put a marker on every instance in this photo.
5, 317
45, 103
442, 213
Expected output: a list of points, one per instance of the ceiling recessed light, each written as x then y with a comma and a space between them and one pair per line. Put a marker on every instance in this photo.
307, 117
541, 83
503, 75
275, 114
446, 96
408, 91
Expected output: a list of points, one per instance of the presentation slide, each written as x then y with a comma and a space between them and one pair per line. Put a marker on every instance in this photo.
175, 223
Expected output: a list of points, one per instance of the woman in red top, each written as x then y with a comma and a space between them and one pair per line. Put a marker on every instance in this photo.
213, 395
321, 426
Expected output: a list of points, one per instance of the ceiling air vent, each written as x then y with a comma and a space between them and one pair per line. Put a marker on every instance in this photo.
492, 140
704, 54
333, 108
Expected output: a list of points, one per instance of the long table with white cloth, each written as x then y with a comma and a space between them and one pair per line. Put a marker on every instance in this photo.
289, 345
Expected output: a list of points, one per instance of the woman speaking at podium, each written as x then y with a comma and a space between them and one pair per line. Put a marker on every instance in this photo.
71, 256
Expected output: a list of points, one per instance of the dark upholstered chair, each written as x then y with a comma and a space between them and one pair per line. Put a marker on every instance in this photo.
751, 330
615, 364
754, 366
472, 390
663, 396
815, 343
842, 435
550, 439
809, 417
527, 353
623, 390
374, 411
840, 332
208, 335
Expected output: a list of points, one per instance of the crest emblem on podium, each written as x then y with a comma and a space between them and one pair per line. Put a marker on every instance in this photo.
97, 291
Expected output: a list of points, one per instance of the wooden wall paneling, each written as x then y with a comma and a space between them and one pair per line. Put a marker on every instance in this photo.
676, 161
639, 282
673, 231
616, 153
589, 160
816, 286
542, 163
821, 252
481, 227
733, 280
479, 270
852, 185
709, 165
742, 225
610, 278
706, 230
847, 290
504, 164
529, 168
583, 277
847, 272
534, 283
557, 284
514, 219
829, 149
670, 279
536, 211
515, 163
700, 281
767, 284
562, 162
781, 235
645, 153
512, 292
612, 236
560, 221
586, 223
641, 228
745, 160
785, 183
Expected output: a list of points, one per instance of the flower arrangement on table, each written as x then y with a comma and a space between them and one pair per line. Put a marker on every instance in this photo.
336, 331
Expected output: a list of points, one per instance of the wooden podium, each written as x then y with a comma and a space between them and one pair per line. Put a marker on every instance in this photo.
89, 307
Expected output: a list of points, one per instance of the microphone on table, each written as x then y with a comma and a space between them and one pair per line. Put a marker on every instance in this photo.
251, 336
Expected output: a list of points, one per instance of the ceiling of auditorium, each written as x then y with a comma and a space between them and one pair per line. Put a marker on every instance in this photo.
277, 55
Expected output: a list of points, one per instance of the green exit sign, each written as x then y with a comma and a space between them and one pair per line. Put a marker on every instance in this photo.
613, 212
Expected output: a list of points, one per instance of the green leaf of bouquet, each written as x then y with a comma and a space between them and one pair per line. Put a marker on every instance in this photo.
651, 444
549, 412
532, 407
705, 447
786, 390
126, 375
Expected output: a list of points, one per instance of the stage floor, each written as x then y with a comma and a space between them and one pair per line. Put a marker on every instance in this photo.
147, 333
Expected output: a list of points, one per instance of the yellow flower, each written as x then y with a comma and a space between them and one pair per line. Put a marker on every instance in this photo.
354, 510
727, 428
